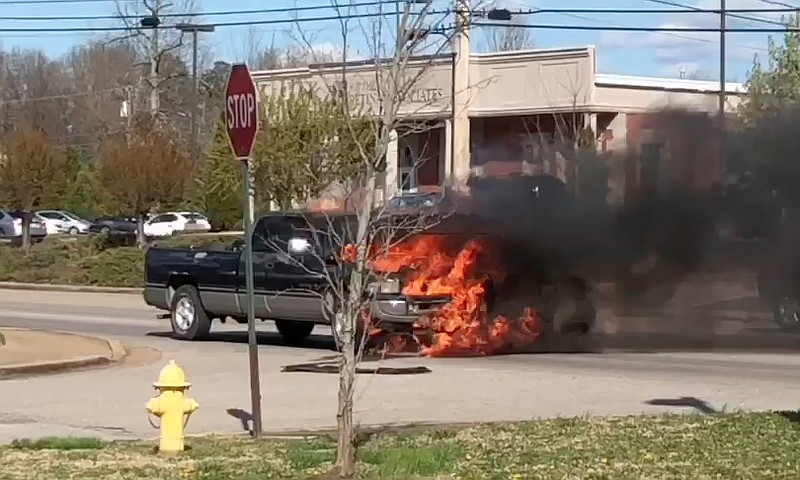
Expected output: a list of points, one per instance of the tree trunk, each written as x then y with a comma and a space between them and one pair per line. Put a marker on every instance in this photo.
26, 232
141, 240
345, 446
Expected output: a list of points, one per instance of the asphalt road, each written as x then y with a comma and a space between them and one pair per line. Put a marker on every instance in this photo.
732, 361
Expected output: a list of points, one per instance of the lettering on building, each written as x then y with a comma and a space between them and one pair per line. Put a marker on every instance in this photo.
425, 95
364, 93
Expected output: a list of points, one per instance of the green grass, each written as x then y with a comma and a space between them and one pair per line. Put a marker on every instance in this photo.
96, 261
736, 446
58, 443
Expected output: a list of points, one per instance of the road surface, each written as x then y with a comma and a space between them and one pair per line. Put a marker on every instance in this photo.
110, 402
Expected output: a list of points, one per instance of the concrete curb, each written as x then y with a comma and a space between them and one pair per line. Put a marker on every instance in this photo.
118, 353
55, 366
69, 288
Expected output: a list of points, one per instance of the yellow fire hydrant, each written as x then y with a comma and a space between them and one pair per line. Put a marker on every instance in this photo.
172, 406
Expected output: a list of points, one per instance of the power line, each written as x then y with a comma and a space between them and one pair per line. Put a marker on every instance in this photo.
561, 11
195, 14
218, 25
643, 29
569, 13
780, 4
653, 10
50, 2
727, 12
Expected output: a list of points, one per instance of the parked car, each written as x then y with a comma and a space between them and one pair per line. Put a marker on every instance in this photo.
59, 221
171, 223
115, 224
11, 225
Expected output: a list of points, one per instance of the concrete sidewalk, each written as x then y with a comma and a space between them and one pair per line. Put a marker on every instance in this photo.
28, 352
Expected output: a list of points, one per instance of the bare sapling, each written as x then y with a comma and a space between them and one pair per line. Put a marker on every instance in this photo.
360, 226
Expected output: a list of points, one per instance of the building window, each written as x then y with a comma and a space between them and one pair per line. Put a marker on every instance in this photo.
408, 170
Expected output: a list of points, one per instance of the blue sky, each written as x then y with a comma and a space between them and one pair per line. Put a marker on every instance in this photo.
640, 53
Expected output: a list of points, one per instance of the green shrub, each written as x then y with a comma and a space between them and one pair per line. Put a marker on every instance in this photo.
85, 261
101, 260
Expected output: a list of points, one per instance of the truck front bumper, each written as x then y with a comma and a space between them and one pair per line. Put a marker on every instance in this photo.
405, 310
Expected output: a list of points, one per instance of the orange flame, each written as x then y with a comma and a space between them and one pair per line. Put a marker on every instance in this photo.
439, 265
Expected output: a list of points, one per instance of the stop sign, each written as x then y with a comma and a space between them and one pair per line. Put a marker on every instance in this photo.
241, 111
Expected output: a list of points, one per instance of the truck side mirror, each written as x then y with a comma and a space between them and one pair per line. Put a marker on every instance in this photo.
237, 244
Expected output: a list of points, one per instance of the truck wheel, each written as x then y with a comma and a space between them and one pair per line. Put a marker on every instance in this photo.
337, 331
787, 313
571, 312
336, 317
189, 319
294, 333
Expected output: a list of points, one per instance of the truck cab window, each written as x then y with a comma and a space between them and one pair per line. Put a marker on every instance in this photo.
273, 234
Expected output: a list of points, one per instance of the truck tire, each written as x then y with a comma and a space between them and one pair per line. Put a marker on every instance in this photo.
336, 331
294, 333
570, 310
189, 319
786, 312
336, 318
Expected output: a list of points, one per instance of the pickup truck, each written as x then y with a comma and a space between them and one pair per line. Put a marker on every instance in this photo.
293, 265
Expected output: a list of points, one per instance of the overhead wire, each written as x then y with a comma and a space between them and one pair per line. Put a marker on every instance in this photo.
216, 24
780, 4
328, 6
728, 12
574, 13
51, 2
641, 29
653, 10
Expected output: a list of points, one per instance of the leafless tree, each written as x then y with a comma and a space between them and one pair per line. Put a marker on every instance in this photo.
35, 92
509, 38
106, 82
161, 49
381, 91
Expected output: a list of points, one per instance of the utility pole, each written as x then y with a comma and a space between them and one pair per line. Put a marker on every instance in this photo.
399, 26
722, 81
153, 22
461, 96
194, 30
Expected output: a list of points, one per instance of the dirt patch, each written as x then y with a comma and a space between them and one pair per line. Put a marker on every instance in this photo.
140, 356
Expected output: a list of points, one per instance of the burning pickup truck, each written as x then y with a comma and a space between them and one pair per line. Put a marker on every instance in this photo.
464, 285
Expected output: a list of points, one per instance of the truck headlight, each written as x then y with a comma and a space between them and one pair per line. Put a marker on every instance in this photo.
389, 286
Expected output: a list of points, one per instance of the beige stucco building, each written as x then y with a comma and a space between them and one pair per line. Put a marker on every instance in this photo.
520, 105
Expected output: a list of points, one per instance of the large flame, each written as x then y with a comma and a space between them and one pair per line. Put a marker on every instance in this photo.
443, 265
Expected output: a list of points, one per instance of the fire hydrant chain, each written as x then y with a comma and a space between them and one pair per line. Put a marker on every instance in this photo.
172, 407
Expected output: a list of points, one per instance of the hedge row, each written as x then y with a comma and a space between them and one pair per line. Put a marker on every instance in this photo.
94, 261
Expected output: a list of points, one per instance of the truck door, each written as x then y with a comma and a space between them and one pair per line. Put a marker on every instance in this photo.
284, 284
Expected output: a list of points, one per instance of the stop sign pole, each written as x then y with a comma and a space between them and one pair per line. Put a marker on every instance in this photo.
242, 123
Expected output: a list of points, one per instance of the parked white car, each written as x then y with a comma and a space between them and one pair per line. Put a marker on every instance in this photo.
59, 221
11, 225
172, 223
